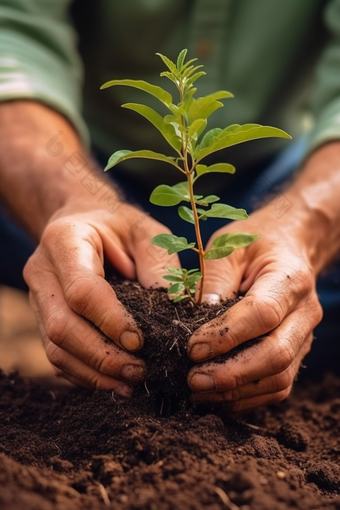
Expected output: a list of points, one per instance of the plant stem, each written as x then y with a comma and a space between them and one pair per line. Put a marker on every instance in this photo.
197, 227
189, 174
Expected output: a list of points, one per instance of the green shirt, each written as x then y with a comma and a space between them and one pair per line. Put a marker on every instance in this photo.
280, 58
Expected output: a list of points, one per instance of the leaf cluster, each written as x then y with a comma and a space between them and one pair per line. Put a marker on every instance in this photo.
184, 128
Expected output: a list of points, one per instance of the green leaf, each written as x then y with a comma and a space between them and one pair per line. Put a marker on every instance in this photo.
166, 129
172, 243
193, 280
195, 77
225, 211
124, 155
217, 168
183, 188
209, 138
225, 244
162, 95
218, 253
170, 76
201, 212
234, 135
202, 107
168, 195
180, 298
181, 58
176, 287
169, 64
176, 271
235, 240
189, 63
192, 271
172, 278
207, 200
190, 71
197, 126
186, 214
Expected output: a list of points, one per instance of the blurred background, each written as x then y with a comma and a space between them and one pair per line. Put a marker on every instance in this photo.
20, 343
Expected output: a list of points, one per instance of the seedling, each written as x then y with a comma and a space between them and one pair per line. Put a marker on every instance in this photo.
183, 128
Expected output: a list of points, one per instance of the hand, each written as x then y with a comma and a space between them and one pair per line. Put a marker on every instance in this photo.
68, 289
280, 306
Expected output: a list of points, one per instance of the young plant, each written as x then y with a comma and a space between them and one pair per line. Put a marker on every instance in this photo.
183, 129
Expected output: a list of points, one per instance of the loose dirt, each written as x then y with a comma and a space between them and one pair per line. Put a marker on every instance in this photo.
70, 449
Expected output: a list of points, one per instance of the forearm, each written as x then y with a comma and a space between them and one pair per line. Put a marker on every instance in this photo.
34, 182
315, 214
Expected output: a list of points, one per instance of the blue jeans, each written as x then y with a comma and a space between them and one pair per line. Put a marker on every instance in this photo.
16, 247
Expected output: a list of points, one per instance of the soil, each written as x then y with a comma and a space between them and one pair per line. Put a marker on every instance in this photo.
70, 449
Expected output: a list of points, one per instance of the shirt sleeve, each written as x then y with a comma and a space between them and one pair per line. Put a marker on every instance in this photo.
39, 59
326, 101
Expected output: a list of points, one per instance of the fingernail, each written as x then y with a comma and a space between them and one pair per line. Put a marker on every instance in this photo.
130, 340
202, 382
201, 351
133, 373
124, 391
212, 299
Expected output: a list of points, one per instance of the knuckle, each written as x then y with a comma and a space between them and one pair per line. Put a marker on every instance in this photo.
78, 294
303, 281
280, 395
55, 330
270, 311
52, 231
283, 357
283, 380
55, 356
233, 394
317, 312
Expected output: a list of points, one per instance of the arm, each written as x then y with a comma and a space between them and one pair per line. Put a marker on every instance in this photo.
278, 273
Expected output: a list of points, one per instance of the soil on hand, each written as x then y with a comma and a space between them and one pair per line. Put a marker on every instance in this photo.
63, 449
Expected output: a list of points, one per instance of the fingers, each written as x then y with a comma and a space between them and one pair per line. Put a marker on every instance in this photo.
71, 368
222, 279
272, 355
151, 261
269, 378
272, 297
77, 263
77, 337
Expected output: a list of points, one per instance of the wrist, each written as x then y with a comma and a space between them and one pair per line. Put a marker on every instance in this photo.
313, 216
42, 164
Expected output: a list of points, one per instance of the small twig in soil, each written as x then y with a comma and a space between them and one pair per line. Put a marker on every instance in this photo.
225, 499
218, 312
104, 494
202, 319
173, 345
150, 303
153, 436
162, 405
178, 322
182, 325
251, 426
53, 395
147, 389
113, 396
166, 373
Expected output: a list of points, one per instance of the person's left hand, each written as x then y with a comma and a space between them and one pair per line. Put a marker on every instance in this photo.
280, 306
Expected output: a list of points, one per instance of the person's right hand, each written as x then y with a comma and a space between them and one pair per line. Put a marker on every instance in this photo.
68, 292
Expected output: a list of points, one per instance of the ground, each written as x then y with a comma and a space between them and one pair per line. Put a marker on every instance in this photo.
64, 448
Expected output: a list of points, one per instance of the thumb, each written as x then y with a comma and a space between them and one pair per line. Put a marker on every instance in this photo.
222, 279
151, 261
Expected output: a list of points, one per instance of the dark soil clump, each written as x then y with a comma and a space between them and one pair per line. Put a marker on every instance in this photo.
71, 449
